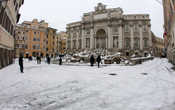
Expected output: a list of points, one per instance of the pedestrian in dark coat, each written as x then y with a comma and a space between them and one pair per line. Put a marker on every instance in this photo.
37, 59
30, 58
48, 59
92, 60
21, 64
60, 61
99, 60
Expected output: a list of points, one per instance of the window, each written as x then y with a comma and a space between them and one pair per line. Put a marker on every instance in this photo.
88, 32
26, 46
38, 46
79, 46
34, 39
87, 42
126, 28
23, 46
136, 29
34, 47
115, 42
74, 34
17, 46
25, 38
38, 39
69, 44
136, 43
74, 44
144, 28
115, 30
145, 43
127, 43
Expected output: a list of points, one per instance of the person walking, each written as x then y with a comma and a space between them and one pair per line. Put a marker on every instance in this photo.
60, 61
98, 60
21, 63
37, 59
92, 60
30, 58
48, 59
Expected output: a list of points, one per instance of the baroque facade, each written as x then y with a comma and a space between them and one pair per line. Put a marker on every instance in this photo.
9, 16
111, 30
35, 38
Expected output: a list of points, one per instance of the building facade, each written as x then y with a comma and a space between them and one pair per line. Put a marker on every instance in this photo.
9, 16
51, 42
169, 28
35, 38
62, 36
158, 46
111, 30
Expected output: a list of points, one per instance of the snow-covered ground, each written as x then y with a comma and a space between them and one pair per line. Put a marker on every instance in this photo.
150, 86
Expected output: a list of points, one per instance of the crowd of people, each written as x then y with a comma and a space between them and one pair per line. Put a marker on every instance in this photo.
48, 60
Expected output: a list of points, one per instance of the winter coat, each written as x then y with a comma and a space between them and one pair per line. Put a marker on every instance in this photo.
98, 59
92, 59
60, 61
37, 58
21, 61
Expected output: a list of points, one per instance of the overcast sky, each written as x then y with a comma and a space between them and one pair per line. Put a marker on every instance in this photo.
58, 13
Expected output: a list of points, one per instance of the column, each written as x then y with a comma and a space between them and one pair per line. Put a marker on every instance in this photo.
150, 37
77, 35
71, 37
132, 37
141, 38
95, 41
109, 42
120, 37
83, 39
92, 39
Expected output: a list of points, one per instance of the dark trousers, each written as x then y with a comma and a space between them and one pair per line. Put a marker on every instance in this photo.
98, 64
21, 68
